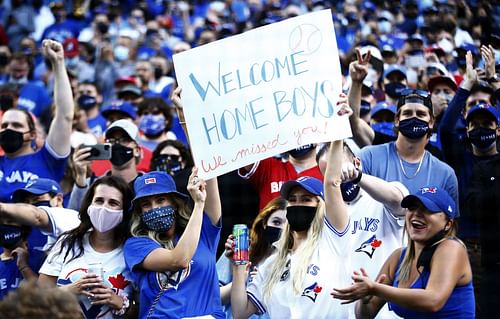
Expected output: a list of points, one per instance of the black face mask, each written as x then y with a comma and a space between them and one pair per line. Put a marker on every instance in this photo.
272, 234
11, 141
300, 217
42, 203
121, 154
349, 191
102, 27
413, 128
301, 151
394, 89
86, 102
10, 236
482, 138
158, 73
4, 59
426, 255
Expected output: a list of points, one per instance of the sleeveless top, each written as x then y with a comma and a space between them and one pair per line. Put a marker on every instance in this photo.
460, 304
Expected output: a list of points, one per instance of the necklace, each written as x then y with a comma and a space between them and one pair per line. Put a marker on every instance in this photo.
403, 169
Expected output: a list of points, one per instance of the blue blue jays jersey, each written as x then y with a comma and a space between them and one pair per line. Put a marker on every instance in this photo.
11, 277
193, 291
34, 98
17, 172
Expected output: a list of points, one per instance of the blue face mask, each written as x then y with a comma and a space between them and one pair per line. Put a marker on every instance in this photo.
386, 128
86, 102
152, 125
413, 128
349, 191
10, 236
394, 89
482, 138
167, 163
159, 219
301, 151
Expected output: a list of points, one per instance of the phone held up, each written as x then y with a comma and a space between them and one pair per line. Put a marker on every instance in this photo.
99, 151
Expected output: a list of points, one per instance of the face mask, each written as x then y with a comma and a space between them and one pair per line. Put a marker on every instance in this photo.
158, 73
349, 191
300, 217
121, 154
447, 97
72, 63
272, 234
22, 80
446, 45
4, 59
11, 141
372, 75
86, 102
386, 128
102, 27
394, 89
301, 151
42, 203
104, 219
159, 219
384, 27
413, 128
152, 125
482, 138
121, 53
166, 163
6, 102
10, 236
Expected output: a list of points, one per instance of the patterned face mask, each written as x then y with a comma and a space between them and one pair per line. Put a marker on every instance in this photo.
159, 219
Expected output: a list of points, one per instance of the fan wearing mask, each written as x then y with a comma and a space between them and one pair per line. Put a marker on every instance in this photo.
312, 254
88, 260
89, 100
155, 122
406, 159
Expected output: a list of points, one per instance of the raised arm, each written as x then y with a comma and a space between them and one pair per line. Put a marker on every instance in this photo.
26, 214
60, 128
163, 259
362, 132
213, 205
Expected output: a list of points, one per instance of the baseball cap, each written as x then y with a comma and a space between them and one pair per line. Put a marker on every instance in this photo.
70, 46
125, 125
365, 107
124, 80
415, 37
130, 88
310, 184
391, 68
381, 106
434, 199
38, 186
120, 106
491, 110
435, 80
154, 183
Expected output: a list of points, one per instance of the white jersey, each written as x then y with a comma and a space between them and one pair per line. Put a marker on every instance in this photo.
329, 268
61, 220
115, 274
376, 232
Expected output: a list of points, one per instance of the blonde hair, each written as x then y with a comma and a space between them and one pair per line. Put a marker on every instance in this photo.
303, 253
182, 215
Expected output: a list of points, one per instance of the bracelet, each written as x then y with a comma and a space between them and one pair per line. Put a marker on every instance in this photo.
358, 179
182, 122
123, 309
23, 268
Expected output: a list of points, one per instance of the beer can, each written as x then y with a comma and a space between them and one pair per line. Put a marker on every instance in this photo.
241, 245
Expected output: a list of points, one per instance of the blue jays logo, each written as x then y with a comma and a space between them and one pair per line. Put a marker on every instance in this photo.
286, 273
170, 279
431, 190
312, 291
369, 246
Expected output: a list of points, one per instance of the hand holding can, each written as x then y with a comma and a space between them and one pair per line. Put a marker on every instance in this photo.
241, 244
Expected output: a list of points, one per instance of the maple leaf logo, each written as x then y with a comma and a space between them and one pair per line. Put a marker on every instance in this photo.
376, 243
119, 281
317, 289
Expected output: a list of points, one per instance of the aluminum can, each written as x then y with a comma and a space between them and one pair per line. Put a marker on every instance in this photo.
241, 245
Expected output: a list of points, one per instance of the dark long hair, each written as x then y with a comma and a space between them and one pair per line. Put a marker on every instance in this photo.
184, 152
73, 239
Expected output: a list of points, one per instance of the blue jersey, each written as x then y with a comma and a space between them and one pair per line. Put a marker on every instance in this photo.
15, 173
11, 277
33, 98
193, 291
383, 161
62, 31
97, 125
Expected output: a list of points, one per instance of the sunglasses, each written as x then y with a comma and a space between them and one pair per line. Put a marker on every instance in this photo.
415, 96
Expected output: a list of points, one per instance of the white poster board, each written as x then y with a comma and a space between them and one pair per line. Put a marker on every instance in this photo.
266, 91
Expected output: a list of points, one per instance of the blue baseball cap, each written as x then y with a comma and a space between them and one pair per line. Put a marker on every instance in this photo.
491, 110
38, 186
154, 183
310, 184
434, 199
381, 106
119, 106
391, 68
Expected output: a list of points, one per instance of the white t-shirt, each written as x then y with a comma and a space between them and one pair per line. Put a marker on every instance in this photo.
115, 273
329, 268
61, 220
376, 232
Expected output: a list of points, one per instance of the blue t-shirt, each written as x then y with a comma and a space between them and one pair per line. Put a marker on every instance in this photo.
62, 31
11, 277
189, 292
383, 161
34, 98
15, 173
97, 125
460, 304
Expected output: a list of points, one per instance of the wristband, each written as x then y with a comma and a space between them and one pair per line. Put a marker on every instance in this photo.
123, 309
358, 179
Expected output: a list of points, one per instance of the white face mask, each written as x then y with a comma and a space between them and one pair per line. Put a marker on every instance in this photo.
446, 45
372, 75
104, 219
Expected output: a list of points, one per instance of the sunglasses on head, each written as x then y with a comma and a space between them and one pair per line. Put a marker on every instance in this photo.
415, 96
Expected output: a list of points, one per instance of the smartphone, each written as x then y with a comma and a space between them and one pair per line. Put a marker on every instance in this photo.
99, 152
